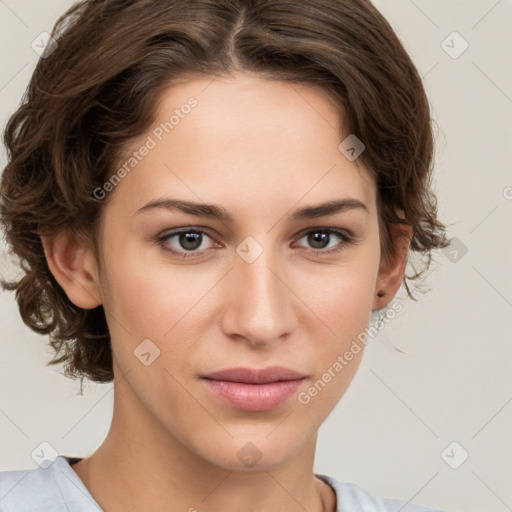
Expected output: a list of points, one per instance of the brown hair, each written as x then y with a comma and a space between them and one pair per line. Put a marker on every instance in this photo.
99, 90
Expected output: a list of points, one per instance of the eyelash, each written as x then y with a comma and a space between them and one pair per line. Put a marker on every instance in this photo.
346, 238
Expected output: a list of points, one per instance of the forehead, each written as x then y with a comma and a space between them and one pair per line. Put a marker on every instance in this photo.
242, 135
246, 105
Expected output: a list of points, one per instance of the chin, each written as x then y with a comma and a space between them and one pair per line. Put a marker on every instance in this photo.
250, 454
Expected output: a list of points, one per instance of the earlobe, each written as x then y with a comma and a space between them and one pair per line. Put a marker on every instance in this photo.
391, 272
71, 262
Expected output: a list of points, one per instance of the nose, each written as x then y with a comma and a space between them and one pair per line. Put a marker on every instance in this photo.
262, 306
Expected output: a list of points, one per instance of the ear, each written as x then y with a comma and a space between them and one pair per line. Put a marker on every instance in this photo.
391, 272
72, 263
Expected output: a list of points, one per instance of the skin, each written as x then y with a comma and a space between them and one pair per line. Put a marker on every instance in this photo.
260, 149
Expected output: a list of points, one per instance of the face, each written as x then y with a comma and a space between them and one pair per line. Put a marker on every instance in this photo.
188, 293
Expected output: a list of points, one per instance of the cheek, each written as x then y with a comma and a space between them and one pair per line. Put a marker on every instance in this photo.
338, 352
146, 297
343, 303
342, 296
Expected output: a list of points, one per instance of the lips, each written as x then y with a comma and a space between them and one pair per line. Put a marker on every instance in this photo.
255, 376
254, 390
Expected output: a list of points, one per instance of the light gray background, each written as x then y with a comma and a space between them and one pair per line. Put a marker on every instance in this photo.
403, 409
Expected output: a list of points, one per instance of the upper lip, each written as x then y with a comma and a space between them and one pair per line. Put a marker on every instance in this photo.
254, 375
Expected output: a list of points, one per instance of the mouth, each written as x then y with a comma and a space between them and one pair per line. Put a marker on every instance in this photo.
254, 390
255, 376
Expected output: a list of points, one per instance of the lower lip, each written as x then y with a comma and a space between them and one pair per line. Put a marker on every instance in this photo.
254, 397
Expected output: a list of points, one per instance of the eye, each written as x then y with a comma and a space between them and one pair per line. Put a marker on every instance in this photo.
319, 238
188, 240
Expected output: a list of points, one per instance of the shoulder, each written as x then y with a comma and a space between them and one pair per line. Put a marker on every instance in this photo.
54, 488
352, 497
30, 489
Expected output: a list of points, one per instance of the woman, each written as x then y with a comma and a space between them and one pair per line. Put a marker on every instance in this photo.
212, 197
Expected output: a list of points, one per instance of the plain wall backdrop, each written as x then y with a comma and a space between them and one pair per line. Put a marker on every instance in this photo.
411, 416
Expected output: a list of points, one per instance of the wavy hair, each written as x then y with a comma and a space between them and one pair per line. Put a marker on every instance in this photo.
99, 89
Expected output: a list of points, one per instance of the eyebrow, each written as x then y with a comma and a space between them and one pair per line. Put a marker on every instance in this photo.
218, 212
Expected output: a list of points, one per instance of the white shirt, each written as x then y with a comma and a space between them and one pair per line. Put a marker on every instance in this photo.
58, 488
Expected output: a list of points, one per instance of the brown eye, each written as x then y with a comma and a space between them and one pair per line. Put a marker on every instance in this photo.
320, 238
188, 240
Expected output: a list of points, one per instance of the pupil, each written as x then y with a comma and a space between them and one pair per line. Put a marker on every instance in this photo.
189, 240
319, 237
